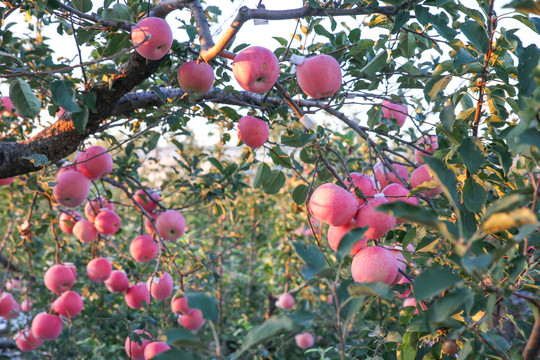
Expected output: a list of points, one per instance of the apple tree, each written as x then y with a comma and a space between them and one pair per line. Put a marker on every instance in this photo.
372, 192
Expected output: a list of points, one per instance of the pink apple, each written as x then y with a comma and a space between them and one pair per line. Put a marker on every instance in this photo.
256, 69
143, 248
136, 295
95, 162
7, 304
71, 267
170, 225
85, 231
160, 34
107, 222
68, 220
148, 203
193, 321
66, 166
179, 305
46, 326
6, 181
26, 341
155, 348
60, 112
59, 278
319, 76
94, 206
374, 264
397, 192
69, 304
421, 175
252, 131
148, 224
429, 144
26, 305
285, 301
411, 302
304, 340
99, 269
392, 110
386, 176
72, 188
402, 264
160, 286
13, 284
333, 205
134, 349
118, 281
379, 223
196, 78
363, 182
407, 283
7, 107
14, 311
336, 234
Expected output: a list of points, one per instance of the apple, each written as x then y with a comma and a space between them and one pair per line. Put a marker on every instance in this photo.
411, 302
14, 311
134, 349
59, 278
379, 223
46, 326
69, 304
196, 79
407, 283
193, 321
402, 264
67, 166
386, 176
26, 305
107, 222
118, 281
6, 181
143, 248
136, 295
394, 110
256, 69
7, 107
253, 131
179, 305
13, 284
336, 234
26, 341
95, 162
450, 347
160, 40
99, 269
333, 205
67, 221
170, 225
72, 188
362, 182
397, 192
374, 264
148, 223
94, 206
285, 301
148, 203
304, 340
160, 286
430, 144
319, 76
421, 175
85, 231
7, 304
155, 348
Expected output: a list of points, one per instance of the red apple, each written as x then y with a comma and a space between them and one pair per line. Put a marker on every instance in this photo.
160, 286
143, 248
99, 269
67, 221
256, 69
136, 295
193, 321
67, 166
13, 284
319, 76
160, 34
364, 183
7, 304
333, 205
148, 203
430, 144
374, 264
170, 225
95, 162
285, 301
6, 106
46, 326
118, 281
6, 181
85, 231
134, 349
72, 188
107, 222
411, 302
252, 131
379, 223
421, 175
26, 305
336, 234
179, 305
155, 348
59, 278
196, 78
397, 192
304, 340
94, 206
26, 341
386, 176
392, 110
69, 304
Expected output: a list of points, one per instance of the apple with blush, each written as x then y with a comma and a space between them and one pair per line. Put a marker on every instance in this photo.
386, 176
304, 340
85, 231
107, 222
193, 321
394, 110
26, 341
69, 304
285, 301
94, 206
155, 348
319, 76
118, 282
95, 162
46, 326
333, 205
59, 278
135, 348
72, 188
160, 37
160, 286
143, 248
99, 269
195, 79
378, 223
374, 264
422, 175
136, 295
253, 131
171, 225
256, 69
68, 220
429, 144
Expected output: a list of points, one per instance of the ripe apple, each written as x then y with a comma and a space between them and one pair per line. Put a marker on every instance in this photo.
336, 234
386, 176
7, 107
407, 283
66, 166
7, 304
14, 311
430, 144
411, 302
95, 162
69, 304
363, 182
193, 321
374, 264
196, 79
72, 188
6, 181
285, 301
256, 69
134, 349
107, 222
143, 248
319, 76
171, 225
179, 305
402, 264
67, 221
379, 223
94, 206
13, 284
136, 294
99, 269
26, 305
148, 224
160, 286
252, 131
117, 282
397, 192
59, 278
304, 340
155, 348
421, 175
26, 341
148, 203
85, 231
333, 205
160, 41
393, 110
46, 326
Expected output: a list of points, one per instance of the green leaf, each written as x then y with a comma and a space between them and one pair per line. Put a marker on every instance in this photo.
82, 5
349, 240
449, 305
474, 195
401, 19
471, 154
80, 119
312, 257
303, 318
448, 117
274, 326
175, 354
183, 338
152, 142
436, 85
63, 94
374, 116
476, 34
528, 60
26, 103
280, 158
90, 101
371, 289
376, 64
205, 302
297, 139
300, 193
261, 175
433, 281
319, 29
37, 159
506, 204
119, 12
525, 6
274, 182
445, 176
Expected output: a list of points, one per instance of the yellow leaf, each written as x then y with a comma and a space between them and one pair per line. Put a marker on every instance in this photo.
502, 221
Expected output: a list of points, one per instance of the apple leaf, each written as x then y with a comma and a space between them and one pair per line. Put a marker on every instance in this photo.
471, 154
183, 337
433, 281
25, 101
206, 303
63, 94
274, 326
349, 240
80, 119
476, 34
119, 12
376, 64
474, 195
300, 193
